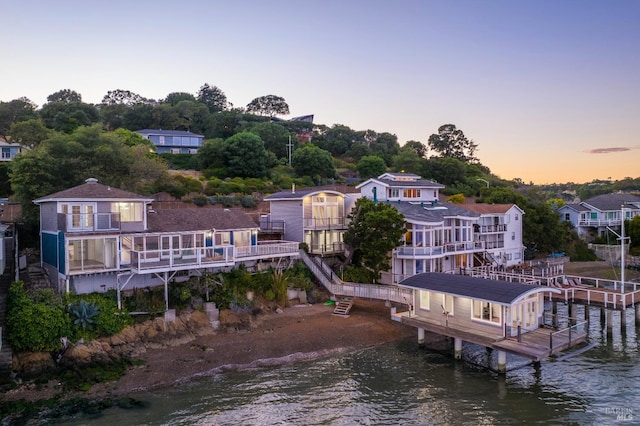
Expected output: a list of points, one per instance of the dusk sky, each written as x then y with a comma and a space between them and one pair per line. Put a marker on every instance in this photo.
549, 90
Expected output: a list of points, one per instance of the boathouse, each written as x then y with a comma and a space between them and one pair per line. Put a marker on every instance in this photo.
501, 315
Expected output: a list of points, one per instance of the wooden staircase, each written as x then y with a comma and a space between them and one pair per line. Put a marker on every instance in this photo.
343, 307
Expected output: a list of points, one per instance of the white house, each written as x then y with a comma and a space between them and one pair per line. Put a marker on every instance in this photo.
599, 212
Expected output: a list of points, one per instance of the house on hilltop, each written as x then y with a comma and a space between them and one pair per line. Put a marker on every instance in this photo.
173, 141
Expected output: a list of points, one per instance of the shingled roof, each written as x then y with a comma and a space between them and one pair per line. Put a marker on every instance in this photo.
92, 190
198, 219
612, 202
501, 292
435, 211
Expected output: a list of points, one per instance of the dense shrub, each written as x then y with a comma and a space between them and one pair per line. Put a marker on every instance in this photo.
34, 325
110, 320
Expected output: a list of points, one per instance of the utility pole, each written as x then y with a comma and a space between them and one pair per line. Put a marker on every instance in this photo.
289, 146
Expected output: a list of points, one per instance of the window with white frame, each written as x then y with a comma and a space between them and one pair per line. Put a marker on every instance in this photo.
129, 212
513, 235
486, 311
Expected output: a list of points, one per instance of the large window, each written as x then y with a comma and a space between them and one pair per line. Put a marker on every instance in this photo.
129, 212
411, 193
486, 311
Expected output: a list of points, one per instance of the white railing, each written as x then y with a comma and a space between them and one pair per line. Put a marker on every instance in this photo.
599, 222
368, 291
182, 258
267, 249
463, 247
192, 258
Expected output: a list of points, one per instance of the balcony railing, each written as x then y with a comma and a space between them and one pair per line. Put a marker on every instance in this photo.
268, 249
325, 223
487, 229
185, 258
437, 251
323, 249
272, 226
599, 222
88, 222
193, 258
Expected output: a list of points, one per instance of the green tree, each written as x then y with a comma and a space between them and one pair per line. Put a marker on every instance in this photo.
309, 160
245, 155
29, 133
66, 160
175, 98
65, 96
632, 230
385, 146
446, 170
67, 116
15, 111
138, 117
211, 158
408, 161
417, 147
123, 97
268, 105
337, 139
451, 142
274, 136
374, 230
212, 97
371, 166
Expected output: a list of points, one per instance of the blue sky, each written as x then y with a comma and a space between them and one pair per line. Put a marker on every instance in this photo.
549, 90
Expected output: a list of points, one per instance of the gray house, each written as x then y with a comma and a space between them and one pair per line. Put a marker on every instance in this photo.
597, 213
173, 141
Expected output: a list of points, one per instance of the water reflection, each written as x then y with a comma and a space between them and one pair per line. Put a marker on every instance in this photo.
404, 384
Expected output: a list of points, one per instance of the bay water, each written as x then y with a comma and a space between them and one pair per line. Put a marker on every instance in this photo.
403, 384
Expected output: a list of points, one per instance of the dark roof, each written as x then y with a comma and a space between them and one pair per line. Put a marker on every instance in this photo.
574, 206
502, 292
198, 219
167, 132
92, 190
435, 211
611, 202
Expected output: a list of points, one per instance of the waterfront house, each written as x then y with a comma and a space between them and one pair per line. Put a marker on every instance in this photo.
440, 236
95, 237
501, 315
595, 214
316, 216
173, 141
499, 231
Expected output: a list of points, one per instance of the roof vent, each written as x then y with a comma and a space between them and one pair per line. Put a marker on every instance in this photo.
91, 180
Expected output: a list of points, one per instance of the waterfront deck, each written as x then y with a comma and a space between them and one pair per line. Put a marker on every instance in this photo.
534, 345
610, 298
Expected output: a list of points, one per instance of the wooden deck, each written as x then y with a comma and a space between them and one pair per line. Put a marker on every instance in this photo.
535, 345
598, 296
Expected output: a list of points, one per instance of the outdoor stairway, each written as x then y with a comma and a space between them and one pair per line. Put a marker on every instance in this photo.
343, 307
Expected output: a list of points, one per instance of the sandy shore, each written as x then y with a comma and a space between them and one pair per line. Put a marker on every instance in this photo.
300, 332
